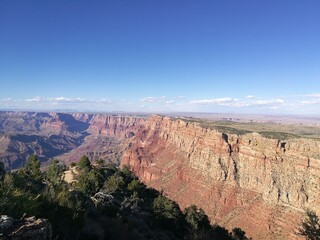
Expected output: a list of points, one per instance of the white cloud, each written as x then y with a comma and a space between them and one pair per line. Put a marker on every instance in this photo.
267, 102
313, 101
250, 97
314, 95
161, 100
148, 99
35, 99
64, 99
6, 100
59, 99
153, 99
218, 101
104, 100
55, 99
235, 102
303, 103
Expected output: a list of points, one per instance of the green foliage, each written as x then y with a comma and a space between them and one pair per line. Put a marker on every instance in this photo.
239, 234
278, 135
73, 164
310, 227
89, 182
126, 208
196, 218
165, 209
221, 233
100, 162
32, 168
135, 186
84, 163
114, 183
14, 201
2, 171
54, 171
131, 203
65, 210
127, 172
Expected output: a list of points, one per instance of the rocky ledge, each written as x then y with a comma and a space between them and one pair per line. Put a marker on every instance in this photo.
25, 229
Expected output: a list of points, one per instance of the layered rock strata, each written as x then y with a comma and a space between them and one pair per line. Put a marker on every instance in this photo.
261, 185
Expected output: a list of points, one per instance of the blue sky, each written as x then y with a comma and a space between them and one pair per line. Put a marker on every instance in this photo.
161, 56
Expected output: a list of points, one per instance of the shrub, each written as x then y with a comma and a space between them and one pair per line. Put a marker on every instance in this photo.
54, 171
114, 183
310, 227
84, 163
196, 218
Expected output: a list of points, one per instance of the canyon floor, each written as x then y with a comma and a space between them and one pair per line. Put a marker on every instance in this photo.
259, 173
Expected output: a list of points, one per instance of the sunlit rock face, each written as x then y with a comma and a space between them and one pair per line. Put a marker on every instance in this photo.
261, 185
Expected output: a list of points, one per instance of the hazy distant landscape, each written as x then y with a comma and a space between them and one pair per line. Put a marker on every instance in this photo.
67, 136
167, 120
262, 160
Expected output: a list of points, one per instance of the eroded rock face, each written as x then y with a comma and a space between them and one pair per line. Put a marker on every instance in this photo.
26, 229
261, 185
108, 137
63, 135
258, 184
115, 125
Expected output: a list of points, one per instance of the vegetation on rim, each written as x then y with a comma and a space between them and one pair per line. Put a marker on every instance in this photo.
104, 202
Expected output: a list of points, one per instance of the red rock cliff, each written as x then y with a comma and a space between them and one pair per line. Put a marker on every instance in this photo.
115, 125
261, 185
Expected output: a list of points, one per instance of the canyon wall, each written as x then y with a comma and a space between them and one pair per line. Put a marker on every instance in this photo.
66, 136
106, 137
258, 184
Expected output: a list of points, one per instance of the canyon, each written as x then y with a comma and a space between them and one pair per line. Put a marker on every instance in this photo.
259, 182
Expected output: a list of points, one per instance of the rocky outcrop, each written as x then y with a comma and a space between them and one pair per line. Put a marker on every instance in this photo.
25, 229
261, 185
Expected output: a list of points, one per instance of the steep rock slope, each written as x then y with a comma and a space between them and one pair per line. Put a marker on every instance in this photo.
261, 185
108, 137
46, 134
63, 135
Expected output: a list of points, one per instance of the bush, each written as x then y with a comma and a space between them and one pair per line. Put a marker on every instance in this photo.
84, 163
54, 172
310, 227
100, 162
16, 202
114, 183
135, 186
32, 168
166, 211
238, 234
196, 218
2, 170
89, 182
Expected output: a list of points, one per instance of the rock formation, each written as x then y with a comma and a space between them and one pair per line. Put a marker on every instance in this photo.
258, 184
25, 229
63, 135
